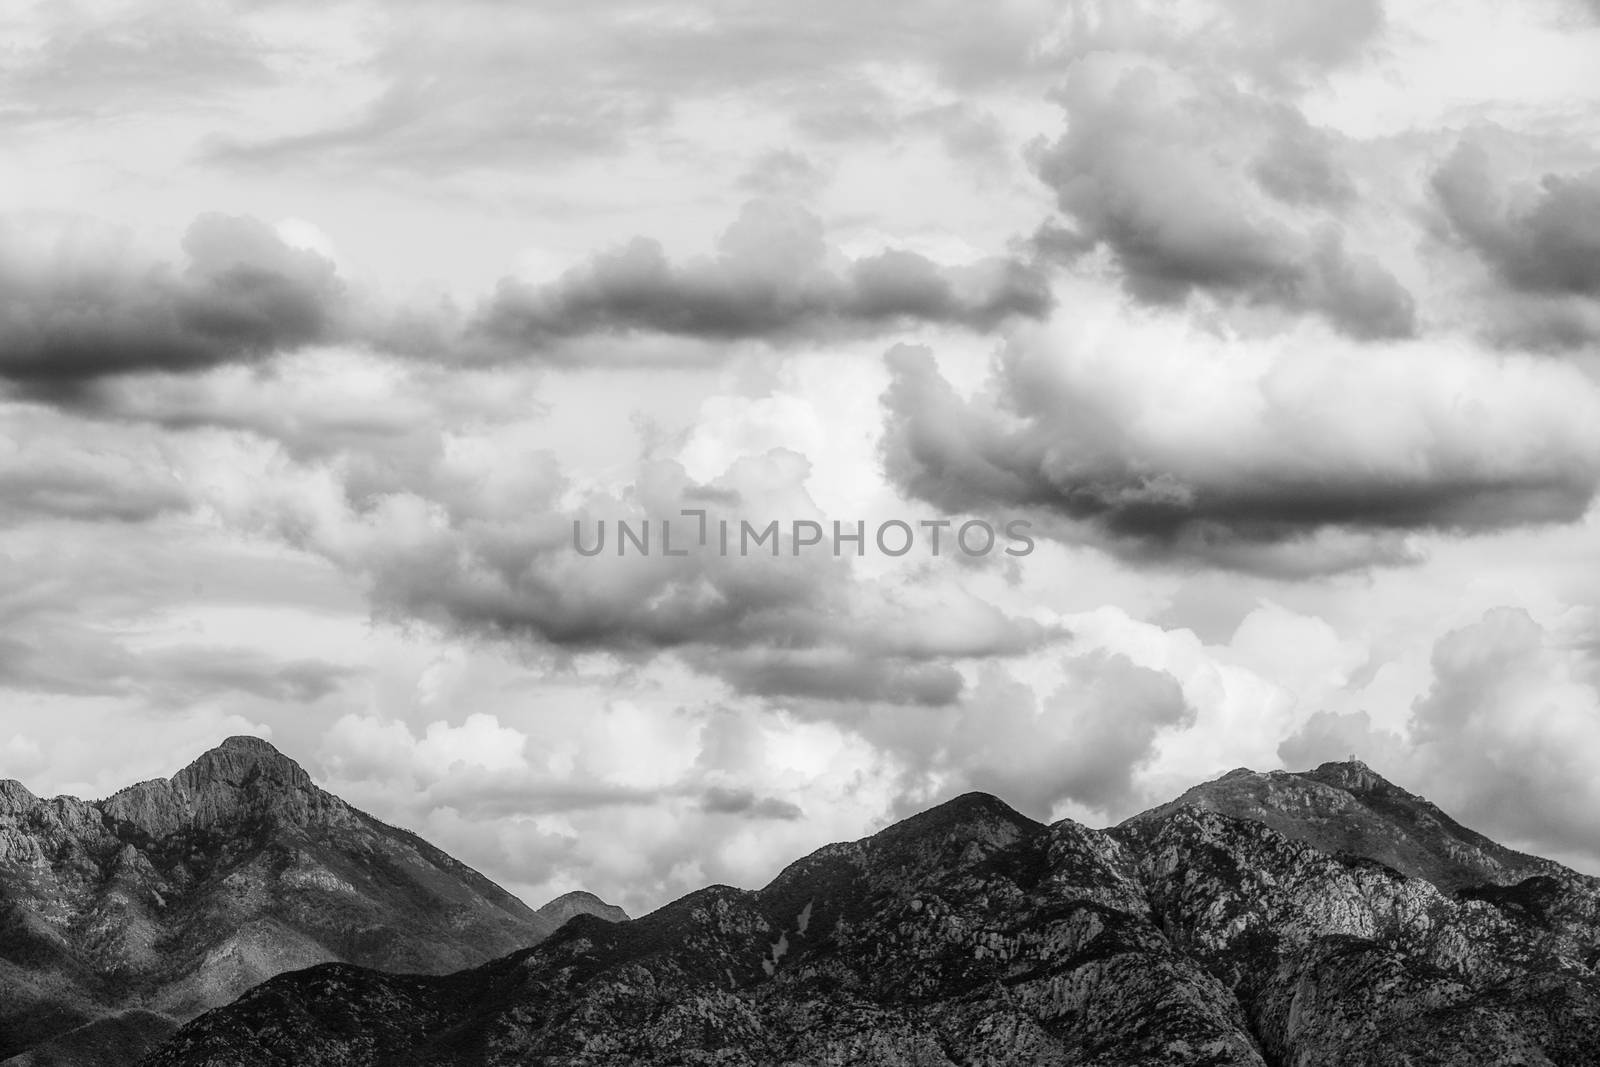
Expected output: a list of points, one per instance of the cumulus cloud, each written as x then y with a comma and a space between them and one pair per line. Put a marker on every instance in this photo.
1170, 444
361, 743
634, 800
1329, 736
81, 304
1510, 730
1192, 185
773, 277
1081, 742
1505, 737
480, 541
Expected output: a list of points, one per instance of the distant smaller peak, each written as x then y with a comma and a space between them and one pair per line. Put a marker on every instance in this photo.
581, 902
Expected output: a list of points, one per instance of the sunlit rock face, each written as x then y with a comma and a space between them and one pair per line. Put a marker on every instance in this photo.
1243, 925
123, 917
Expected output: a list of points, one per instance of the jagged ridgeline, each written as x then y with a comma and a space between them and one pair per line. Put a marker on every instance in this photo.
1324, 919
1321, 919
122, 918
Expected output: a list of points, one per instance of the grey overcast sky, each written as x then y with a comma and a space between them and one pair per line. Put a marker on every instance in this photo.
1279, 320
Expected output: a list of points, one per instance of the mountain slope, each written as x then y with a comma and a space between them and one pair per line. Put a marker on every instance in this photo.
121, 917
970, 934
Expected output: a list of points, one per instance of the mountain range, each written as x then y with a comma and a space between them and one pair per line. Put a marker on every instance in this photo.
1327, 918
121, 918
1320, 919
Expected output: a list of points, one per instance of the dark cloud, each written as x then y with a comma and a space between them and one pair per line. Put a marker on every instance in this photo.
1083, 443
1194, 185
479, 795
720, 800
841, 673
492, 794
80, 307
1548, 244
84, 310
773, 278
1542, 242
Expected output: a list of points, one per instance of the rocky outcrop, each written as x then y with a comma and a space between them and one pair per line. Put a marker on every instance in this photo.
122, 917
970, 934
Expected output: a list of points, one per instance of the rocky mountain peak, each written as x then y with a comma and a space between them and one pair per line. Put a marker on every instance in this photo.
122, 917
1353, 775
249, 743
15, 797
241, 780
242, 761
1347, 807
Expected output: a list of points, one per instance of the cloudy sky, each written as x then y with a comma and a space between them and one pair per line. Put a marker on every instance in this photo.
1278, 320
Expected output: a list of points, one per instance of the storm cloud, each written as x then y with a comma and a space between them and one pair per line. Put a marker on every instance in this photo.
81, 305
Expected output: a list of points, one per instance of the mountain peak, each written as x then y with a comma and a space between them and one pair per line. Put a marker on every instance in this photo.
241, 779
1351, 774
972, 816
15, 797
1347, 807
580, 902
248, 743
174, 895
